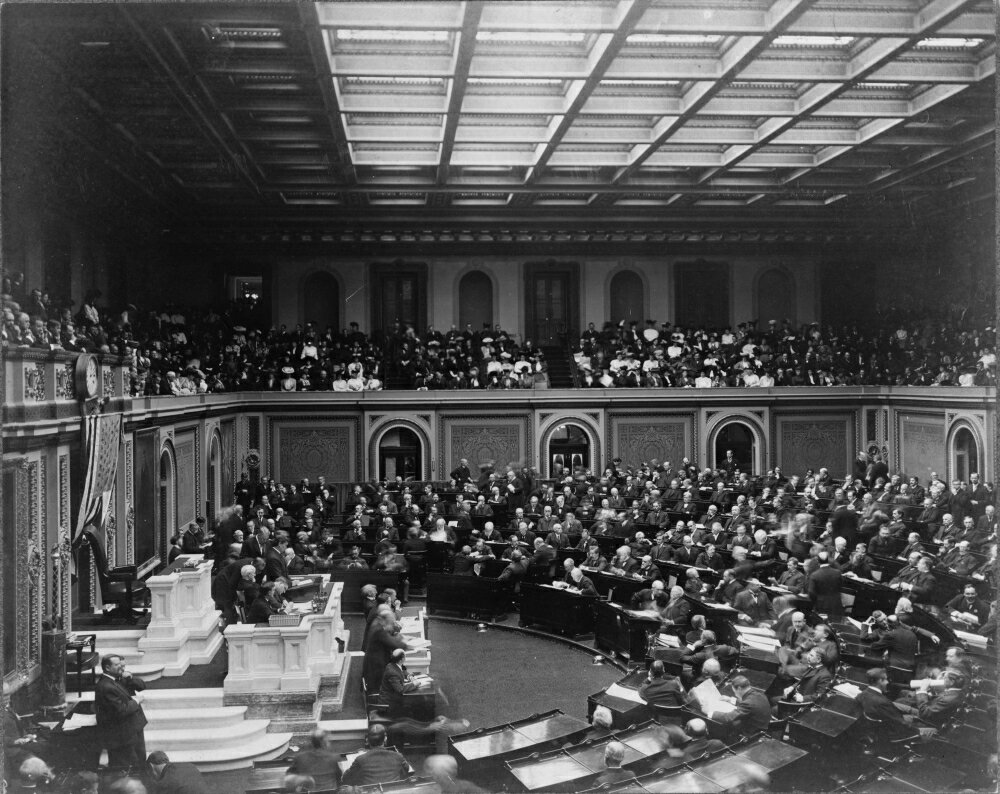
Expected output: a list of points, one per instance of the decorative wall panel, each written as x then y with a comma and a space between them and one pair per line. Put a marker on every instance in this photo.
812, 442
312, 447
480, 439
921, 444
228, 433
639, 438
185, 456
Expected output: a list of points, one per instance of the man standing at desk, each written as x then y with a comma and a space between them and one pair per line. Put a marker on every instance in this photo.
120, 719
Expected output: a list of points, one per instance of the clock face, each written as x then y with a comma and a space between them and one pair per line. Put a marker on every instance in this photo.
92, 376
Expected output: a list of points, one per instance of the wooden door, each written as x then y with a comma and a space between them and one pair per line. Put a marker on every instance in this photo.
551, 308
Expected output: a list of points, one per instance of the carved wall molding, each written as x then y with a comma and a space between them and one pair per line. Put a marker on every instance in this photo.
474, 440
374, 418
310, 444
129, 502
587, 421
34, 382
920, 443
66, 381
65, 521
812, 441
639, 437
34, 570
108, 378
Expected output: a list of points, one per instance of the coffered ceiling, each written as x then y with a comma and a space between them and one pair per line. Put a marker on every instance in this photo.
636, 116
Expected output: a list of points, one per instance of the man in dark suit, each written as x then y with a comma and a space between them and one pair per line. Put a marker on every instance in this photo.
462, 473
319, 762
377, 765
256, 544
660, 689
396, 682
700, 745
815, 680
170, 778
613, 772
753, 604
934, 709
686, 553
752, 712
120, 719
515, 571
879, 709
824, 587
986, 525
275, 564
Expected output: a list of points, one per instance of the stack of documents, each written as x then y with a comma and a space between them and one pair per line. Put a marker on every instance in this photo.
710, 699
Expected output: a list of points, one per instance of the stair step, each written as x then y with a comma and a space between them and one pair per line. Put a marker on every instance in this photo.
162, 699
236, 735
211, 758
345, 730
203, 718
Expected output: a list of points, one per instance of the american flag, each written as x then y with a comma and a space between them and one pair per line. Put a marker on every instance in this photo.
102, 436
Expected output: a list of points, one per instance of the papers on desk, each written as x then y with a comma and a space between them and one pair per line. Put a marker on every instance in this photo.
856, 623
76, 721
411, 625
975, 640
669, 640
760, 631
418, 643
766, 644
927, 683
618, 691
710, 700
421, 678
847, 689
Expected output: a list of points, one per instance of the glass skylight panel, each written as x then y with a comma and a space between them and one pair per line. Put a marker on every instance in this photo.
526, 81
890, 86
364, 80
347, 34
529, 37
813, 41
639, 83
950, 43
674, 38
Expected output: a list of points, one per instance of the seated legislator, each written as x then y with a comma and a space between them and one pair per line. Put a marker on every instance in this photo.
660, 689
269, 601
813, 682
706, 648
581, 584
352, 561
710, 558
647, 570
613, 773
915, 580
645, 599
594, 561
879, 709
728, 587
934, 709
676, 611
754, 606
396, 682
792, 578
699, 745
623, 563
385, 637
318, 762
377, 765
968, 607
752, 713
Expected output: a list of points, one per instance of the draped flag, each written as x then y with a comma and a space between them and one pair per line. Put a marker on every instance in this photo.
102, 437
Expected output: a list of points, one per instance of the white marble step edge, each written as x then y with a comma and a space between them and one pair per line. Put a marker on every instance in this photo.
180, 698
191, 738
211, 758
343, 730
200, 718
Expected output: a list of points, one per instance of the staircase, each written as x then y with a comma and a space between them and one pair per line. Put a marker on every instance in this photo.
125, 643
560, 372
192, 726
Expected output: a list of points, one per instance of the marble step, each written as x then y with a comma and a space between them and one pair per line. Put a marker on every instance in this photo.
171, 739
200, 718
213, 758
200, 698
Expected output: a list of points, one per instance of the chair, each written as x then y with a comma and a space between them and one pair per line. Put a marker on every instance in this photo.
79, 659
119, 585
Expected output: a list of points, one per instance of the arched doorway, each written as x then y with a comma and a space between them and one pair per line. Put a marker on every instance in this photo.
965, 454
321, 301
775, 297
569, 447
738, 437
168, 504
399, 455
475, 300
627, 297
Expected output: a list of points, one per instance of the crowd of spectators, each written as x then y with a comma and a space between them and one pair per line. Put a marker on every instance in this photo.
185, 350
909, 349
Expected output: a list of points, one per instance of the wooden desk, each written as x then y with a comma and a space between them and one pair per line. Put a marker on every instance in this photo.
477, 595
556, 609
623, 631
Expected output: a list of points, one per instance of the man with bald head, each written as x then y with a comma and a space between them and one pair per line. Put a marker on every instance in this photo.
699, 744
660, 689
377, 765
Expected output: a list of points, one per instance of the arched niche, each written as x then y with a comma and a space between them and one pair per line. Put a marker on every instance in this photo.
475, 300
321, 301
965, 451
167, 524
402, 438
775, 293
214, 478
744, 435
556, 429
627, 297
